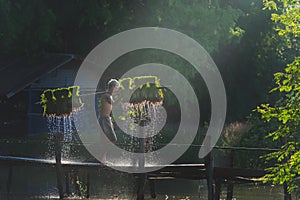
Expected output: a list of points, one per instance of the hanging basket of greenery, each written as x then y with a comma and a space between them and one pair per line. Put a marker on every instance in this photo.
146, 88
58, 102
146, 92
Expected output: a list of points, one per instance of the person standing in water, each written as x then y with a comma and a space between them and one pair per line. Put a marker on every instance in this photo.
106, 101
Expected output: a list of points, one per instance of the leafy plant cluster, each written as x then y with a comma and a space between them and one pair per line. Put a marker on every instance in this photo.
58, 102
147, 88
285, 113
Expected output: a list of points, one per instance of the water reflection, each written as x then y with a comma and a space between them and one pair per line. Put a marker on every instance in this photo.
40, 183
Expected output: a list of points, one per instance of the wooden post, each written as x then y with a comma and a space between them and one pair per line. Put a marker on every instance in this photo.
218, 189
229, 190
67, 176
88, 185
152, 188
9, 181
230, 182
141, 182
287, 196
199, 189
141, 177
59, 176
77, 184
209, 165
142, 152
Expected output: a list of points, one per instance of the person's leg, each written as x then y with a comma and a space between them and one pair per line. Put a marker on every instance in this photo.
108, 129
103, 152
108, 137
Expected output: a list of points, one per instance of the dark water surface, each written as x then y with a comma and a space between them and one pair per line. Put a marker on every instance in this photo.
40, 183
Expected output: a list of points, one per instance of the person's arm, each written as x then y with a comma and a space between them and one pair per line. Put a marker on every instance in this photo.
108, 99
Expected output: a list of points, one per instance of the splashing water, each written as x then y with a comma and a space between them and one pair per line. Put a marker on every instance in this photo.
143, 119
65, 126
148, 115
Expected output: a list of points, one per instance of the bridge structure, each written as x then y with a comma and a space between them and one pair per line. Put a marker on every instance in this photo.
215, 173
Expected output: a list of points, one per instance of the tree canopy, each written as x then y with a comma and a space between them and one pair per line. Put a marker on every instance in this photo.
77, 26
247, 47
236, 33
285, 113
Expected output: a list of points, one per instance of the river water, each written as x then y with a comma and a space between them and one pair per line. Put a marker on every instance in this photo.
39, 182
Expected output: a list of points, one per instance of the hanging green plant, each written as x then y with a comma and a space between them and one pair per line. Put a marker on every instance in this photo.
151, 91
147, 91
58, 102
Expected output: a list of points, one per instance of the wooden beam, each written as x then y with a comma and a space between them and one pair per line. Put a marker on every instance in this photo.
209, 166
59, 176
67, 177
230, 182
287, 196
141, 182
88, 185
9, 181
152, 188
218, 189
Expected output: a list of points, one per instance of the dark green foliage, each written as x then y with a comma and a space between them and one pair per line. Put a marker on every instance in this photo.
27, 28
77, 26
285, 113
